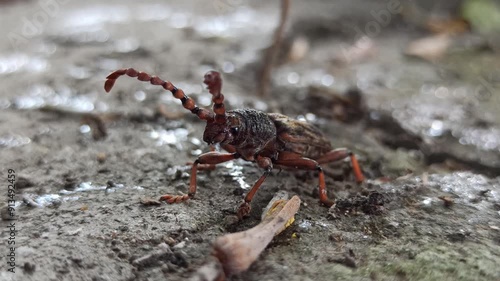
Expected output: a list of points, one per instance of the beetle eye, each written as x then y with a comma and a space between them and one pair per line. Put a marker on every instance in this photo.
234, 131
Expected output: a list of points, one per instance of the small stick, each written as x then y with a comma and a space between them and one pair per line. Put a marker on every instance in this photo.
94, 120
270, 55
237, 251
154, 257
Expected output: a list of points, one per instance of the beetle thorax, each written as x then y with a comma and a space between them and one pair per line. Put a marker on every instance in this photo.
242, 128
255, 128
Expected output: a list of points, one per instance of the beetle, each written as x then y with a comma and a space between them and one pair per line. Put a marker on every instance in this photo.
269, 139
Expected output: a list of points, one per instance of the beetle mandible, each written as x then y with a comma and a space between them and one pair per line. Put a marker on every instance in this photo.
268, 139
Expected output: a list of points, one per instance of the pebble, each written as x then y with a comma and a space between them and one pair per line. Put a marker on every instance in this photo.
23, 182
179, 245
29, 268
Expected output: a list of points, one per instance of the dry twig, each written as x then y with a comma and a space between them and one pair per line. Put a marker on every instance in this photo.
237, 251
272, 51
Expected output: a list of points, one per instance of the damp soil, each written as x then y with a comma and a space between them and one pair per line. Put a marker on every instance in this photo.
426, 135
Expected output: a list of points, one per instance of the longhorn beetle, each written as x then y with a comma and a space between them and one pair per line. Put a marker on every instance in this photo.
268, 139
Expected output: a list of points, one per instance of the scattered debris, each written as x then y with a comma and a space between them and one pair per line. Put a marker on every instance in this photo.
23, 182
30, 202
169, 240
74, 232
153, 258
447, 200
425, 179
110, 184
179, 245
371, 204
408, 175
70, 182
101, 157
448, 26
6, 213
150, 202
349, 259
336, 237
430, 48
29, 268
458, 236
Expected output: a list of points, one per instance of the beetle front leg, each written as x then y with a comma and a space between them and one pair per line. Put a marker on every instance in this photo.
212, 158
211, 167
263, 162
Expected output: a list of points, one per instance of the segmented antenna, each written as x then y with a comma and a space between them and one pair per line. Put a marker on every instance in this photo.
187, 102
214, 86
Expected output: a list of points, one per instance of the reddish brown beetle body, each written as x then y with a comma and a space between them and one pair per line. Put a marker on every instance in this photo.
269, 139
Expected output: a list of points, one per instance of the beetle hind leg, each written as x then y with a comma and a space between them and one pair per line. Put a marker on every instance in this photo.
341, 154
299, 162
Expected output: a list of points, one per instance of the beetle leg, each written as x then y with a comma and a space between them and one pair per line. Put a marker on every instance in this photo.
263, 162
212, 158
307, 164
340, 154
211, 167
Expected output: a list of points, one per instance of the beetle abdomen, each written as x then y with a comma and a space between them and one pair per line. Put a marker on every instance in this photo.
299, 137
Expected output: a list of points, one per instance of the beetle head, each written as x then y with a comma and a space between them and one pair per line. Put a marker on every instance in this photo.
222, 133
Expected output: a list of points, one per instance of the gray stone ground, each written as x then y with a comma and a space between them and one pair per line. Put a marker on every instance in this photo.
430, 130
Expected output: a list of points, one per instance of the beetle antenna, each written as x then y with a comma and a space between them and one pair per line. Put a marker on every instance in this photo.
187, 102
214, 86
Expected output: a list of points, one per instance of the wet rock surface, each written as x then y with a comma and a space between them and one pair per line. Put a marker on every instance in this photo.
426, 135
